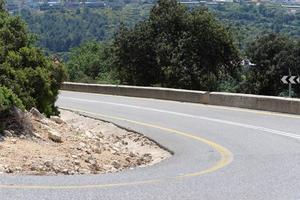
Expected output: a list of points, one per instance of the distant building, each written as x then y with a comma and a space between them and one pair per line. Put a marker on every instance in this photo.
12, 7
292, 9
224, 1
95, 4
191, 3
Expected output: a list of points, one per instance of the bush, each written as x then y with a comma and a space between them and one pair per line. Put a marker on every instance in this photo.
90, 62
33, 78
7, 100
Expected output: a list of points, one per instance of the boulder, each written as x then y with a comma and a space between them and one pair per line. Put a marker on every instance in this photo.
36, 113
54, 136
13, 141
22, 137
7, 133
57, 119
35, 134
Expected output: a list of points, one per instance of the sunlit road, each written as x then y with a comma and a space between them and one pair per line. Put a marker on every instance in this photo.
219, 153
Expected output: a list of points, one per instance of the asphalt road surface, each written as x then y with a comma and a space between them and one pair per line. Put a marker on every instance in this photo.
219, 153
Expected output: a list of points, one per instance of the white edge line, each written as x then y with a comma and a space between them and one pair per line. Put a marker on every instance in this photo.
276, 132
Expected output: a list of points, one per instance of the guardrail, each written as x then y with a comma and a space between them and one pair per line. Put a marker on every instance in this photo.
257, 102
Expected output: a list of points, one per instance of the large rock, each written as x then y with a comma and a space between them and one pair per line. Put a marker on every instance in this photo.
36, 113
21, 122
7, 133
55, 136
57, 119
18, 113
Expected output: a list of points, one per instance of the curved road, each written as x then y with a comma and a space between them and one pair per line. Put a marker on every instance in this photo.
219, 153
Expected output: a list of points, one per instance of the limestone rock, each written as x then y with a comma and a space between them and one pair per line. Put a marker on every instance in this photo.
7, 133
55, 136
57, 119
35, 112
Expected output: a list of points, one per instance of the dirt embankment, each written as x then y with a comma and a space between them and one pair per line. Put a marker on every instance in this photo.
74, 144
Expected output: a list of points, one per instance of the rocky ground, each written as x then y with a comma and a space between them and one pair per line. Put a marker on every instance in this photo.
74, 144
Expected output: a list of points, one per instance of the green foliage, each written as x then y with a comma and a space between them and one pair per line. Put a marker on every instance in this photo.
90, 63
2, 5
24, 69
175, 48
8, 99
249, 21
171, 46
70, 28
134, 56
273, 55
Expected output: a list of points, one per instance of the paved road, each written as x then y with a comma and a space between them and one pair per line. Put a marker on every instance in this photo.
219, 153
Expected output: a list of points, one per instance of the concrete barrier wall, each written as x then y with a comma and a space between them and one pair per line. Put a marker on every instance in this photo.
257, 102
133, 91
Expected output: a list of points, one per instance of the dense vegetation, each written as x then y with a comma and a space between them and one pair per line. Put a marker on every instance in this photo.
178, 48
90, 62
173, 46
27, 78
250, 21
273, 55
61, 29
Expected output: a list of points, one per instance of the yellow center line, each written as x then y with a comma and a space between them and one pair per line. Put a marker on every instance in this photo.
226, 158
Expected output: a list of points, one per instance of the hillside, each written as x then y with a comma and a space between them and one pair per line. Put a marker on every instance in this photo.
59, 30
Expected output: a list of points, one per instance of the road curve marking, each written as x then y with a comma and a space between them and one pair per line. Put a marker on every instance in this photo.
227, 122
226, 157
225, 154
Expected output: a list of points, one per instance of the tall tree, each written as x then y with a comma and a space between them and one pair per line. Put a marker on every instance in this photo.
134, 56
273, 56
176, 48
167, 20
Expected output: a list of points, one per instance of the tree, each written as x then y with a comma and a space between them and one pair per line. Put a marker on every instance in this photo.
273, 55
204, 53
24, 70
59, 30
175, 48
134, 56
90, 63
168, 20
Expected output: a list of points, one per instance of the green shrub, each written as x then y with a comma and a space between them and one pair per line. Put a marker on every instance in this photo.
90, 63
25, 70
7, 100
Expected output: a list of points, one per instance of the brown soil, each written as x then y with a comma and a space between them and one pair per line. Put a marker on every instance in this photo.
74, 144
